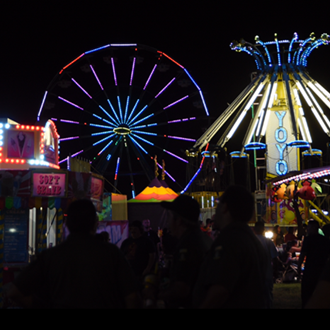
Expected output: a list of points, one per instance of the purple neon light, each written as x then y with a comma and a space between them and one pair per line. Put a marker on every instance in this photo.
81, 88
69, 121
170, 105
176, 156
96, 77
42, 104
180, 120
181, 138
75, 105
152, 72
69, 138
114, 70
166, 173
132, 73
77, 153
53, 119
165, 87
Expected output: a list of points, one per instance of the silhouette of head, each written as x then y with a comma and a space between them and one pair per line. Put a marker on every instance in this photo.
81, 217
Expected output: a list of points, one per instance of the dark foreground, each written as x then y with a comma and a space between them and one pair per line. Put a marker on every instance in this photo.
287, 296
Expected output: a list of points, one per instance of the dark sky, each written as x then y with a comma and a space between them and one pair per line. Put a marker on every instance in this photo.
38, 38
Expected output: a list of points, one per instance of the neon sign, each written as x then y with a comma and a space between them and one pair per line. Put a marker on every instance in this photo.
49, 185
281, 136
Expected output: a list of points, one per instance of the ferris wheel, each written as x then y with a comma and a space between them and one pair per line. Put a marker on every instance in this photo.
119, 106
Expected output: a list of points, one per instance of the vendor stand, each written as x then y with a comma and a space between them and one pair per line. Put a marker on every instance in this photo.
34, 192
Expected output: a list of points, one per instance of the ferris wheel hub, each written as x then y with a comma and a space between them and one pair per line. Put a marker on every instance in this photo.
122, 130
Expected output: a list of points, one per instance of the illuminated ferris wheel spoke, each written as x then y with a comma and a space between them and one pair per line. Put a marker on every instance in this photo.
117, 166
122, 91
132, 72
132, 111
163, 89
130, 169
71, 103
142, 161
81, 88
96, 77
114, 71
175, 156
168, 174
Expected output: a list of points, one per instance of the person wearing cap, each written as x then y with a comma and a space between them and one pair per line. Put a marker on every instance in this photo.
233, 273
183, 217
316, 250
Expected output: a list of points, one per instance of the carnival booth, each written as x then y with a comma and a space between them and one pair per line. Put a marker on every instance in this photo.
146, 204
34, 192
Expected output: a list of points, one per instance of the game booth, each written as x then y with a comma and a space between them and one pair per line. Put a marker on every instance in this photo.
35, 192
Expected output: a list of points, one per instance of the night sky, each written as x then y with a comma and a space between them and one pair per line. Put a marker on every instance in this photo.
39, 38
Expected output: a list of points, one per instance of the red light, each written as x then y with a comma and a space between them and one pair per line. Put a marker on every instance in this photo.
138, 158
85, 123
0, 148
32, 127
23, 161
0, 155
7, 160
41, 151
17, 161
27, 127
37, 128
22, 127
17, 126
12, 161
0, 160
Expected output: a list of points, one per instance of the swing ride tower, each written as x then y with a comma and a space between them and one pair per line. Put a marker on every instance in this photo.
283, 91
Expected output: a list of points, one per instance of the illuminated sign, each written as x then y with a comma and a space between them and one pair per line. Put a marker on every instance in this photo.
280, 158
281, 137
49, 184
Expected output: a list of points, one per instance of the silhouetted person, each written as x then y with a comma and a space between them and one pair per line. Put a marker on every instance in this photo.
103, 236
320, 298
278, 237
139, 251
259, 229
183, 215
316, 249
81, 272
234, 271
149, 232
290, 236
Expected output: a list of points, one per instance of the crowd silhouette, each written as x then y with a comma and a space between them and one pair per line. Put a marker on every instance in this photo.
225, 263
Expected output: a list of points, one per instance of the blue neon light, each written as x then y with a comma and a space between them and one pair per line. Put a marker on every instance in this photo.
120, 111
281, 167
135, 105
96, 49
138, 114
284, 135
113, 110
105, 147
142, 139
106, 112
138, 144
191, 79
126, 108
106, 138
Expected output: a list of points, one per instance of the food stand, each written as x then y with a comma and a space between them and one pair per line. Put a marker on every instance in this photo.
34, 192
